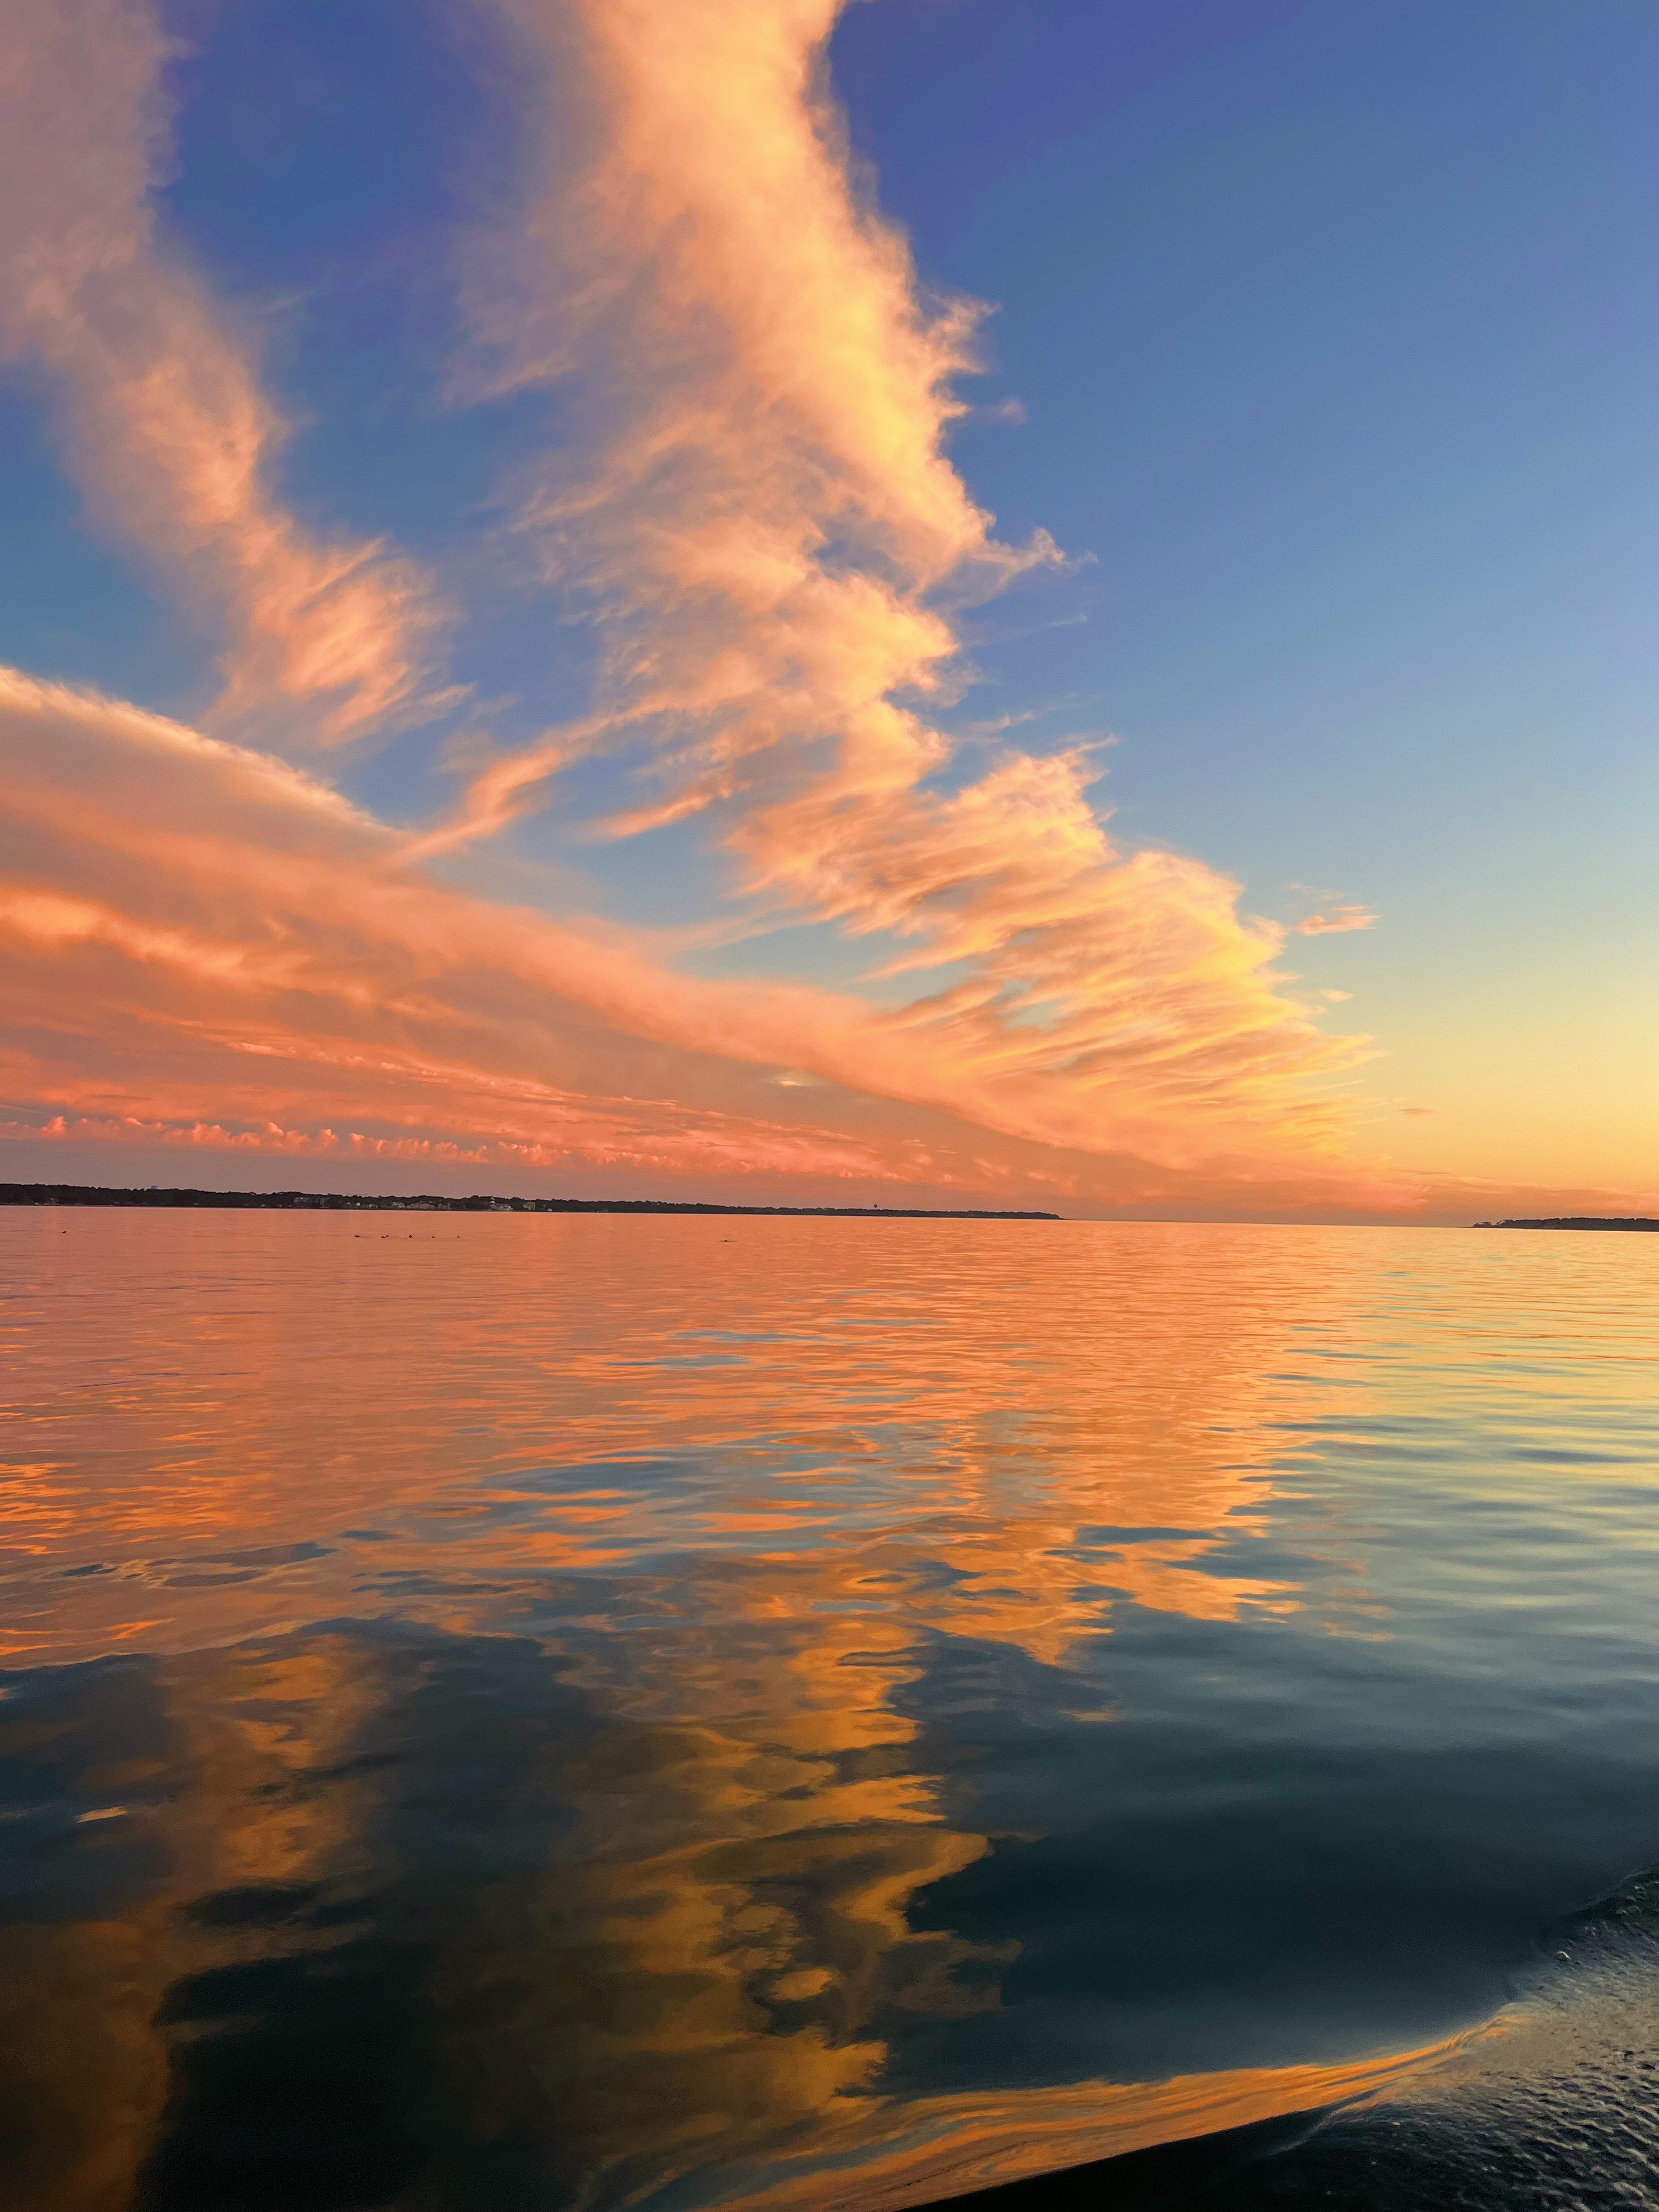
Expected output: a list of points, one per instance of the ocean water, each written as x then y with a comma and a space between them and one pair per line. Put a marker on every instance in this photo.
503, 1714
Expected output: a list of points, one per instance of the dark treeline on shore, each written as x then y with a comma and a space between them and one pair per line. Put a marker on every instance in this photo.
303, 1201
1578, 1221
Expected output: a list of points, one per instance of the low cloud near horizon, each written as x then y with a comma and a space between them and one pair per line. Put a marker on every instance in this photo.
207, 945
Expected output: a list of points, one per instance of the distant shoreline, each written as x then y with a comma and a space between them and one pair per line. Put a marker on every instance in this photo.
336, 1202
309, 1201
1578, 1221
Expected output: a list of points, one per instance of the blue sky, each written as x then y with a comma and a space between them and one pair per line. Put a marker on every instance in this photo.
1336, 328
1336, 336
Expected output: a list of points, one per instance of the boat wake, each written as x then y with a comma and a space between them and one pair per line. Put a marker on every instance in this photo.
1551, 2108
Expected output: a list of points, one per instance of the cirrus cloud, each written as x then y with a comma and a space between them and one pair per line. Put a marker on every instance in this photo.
757, 511
1336, 921
159, 406
200, 938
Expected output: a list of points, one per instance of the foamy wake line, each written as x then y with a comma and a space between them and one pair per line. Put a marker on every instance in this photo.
895, 2155
1550, 2107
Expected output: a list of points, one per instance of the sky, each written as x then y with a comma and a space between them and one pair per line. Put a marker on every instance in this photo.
1011, 603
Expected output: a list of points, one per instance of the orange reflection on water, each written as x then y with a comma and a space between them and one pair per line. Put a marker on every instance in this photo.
721, 1484
692, 1985
1054, 1414
952, 2146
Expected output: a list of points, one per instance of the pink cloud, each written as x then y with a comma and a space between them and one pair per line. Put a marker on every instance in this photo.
198, 937
157, 401
764, 522
769, 533
1335, 920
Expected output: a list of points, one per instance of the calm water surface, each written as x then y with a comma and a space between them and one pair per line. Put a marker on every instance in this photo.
505, 1714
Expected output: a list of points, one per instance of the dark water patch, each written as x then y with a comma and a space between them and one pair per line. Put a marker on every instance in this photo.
1554, 2108
302, 2085
1557, 2112
256, 1905
282, 2041
86, 1755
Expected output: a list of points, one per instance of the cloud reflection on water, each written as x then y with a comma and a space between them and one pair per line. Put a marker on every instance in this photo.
587, 1711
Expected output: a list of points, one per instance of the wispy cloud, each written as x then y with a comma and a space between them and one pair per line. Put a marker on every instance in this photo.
767, 530
1333, 921
159, 406
203, 945
756, 508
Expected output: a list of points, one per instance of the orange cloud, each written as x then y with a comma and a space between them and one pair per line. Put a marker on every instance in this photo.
1336, 921
197, 872
757, 509
206, 946
158, 408
768, 532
